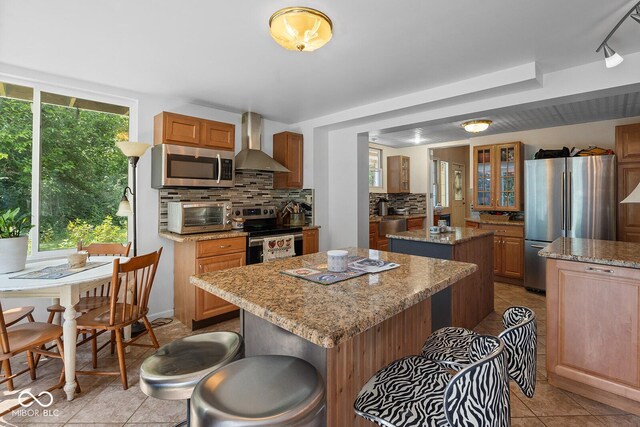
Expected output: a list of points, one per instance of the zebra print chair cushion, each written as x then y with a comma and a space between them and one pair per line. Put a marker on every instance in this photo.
416, 392
450, 347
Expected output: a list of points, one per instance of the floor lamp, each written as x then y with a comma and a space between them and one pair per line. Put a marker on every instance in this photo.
133, 150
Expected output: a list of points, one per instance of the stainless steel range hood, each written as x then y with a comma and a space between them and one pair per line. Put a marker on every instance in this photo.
252, 157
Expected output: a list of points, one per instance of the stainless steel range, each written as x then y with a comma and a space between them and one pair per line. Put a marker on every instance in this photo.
260, 222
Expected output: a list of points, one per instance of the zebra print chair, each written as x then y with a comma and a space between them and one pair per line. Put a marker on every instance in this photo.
416, 392
450, 347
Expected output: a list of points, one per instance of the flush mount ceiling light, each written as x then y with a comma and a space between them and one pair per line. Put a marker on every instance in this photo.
611, 58
300, 28
475, 126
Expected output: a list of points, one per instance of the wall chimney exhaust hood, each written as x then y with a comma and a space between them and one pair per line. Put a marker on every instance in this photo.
252, 157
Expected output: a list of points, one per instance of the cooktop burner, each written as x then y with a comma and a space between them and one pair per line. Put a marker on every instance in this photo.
261, 221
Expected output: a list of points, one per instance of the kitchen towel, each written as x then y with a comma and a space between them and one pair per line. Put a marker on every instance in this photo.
278, 247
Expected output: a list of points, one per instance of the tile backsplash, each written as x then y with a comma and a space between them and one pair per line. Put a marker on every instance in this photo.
252, 188
416, 202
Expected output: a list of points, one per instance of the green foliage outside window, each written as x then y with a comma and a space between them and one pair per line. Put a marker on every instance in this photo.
82, 171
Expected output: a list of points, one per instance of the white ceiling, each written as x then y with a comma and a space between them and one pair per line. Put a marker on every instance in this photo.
513, 120
219, 53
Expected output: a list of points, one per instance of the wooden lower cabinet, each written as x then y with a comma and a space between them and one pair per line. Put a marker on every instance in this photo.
593, 331
415, 224
192, 304
207, 304
373, 235
310, 241
508, 250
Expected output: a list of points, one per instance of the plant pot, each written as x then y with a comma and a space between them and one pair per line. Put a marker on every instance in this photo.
13, 254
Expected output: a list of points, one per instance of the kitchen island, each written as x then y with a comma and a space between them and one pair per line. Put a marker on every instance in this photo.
348, 330
471, 299
593, 319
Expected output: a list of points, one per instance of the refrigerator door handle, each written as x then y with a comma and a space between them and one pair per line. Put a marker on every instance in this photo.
569, 201
538, 246
564, 200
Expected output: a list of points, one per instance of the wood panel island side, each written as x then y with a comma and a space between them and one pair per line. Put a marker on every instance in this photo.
593, 319
348, 330
471, 297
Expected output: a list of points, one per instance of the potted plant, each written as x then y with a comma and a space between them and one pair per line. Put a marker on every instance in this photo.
13, 240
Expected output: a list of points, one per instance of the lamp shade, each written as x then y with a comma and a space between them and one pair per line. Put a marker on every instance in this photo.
611, 58
132, 149
124, 208
300, 28
634, 197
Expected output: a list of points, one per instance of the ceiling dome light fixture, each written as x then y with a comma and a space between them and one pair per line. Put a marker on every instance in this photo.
611, 58
475, 126
300, 28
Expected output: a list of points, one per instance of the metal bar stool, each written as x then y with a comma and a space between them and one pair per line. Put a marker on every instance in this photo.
260, 391
173, 371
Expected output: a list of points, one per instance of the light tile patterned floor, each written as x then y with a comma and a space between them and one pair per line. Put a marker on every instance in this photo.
104, 403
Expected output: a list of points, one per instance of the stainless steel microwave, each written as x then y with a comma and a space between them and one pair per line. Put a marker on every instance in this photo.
181, 166
198, 217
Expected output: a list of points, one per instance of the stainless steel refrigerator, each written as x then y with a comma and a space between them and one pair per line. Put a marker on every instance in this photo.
566, 197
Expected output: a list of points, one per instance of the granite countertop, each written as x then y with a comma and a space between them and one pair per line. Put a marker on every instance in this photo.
214, 235
494, 221
377, 218
607, 252
329, 315
202, 236
458, 235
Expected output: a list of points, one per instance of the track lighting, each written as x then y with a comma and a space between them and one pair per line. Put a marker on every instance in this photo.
611, 58
636, 16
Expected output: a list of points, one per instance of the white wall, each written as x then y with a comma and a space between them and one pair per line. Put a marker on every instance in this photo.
418, 166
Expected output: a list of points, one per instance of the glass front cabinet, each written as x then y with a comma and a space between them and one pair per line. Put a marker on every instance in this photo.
497, 177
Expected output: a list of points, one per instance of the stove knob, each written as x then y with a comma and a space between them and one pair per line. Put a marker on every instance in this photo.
228, 214
237, 212
228, 221
265, 211
228, 208
271, 211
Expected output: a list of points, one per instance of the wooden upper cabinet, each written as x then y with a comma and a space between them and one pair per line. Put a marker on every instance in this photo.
628, 152
628, 143
171, 128
398, 174
498, 174
218, 135
288, 151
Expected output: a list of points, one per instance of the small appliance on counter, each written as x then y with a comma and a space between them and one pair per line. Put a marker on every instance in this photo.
198, 217
383, 204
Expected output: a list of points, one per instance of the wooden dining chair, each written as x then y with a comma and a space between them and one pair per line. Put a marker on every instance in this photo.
131, 285
28, 337
98, 297
11, 317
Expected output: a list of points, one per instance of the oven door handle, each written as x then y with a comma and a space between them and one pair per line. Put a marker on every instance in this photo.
260, 241
219, 168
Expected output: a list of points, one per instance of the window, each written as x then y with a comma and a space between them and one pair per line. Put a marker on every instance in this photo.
375, 168
69, 175
440, 183
444, 184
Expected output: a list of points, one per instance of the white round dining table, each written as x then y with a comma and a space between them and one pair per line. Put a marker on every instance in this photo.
68, 289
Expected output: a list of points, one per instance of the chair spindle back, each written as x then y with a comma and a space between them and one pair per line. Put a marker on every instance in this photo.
132, 280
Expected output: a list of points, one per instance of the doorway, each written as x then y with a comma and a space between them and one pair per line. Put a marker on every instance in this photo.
450, 184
